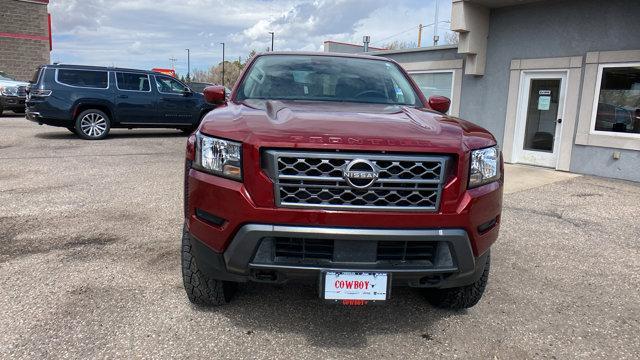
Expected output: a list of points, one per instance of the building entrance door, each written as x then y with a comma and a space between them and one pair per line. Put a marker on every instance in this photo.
539, 118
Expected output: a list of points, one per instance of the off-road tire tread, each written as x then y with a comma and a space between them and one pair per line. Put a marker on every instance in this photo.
200, 289
463, 297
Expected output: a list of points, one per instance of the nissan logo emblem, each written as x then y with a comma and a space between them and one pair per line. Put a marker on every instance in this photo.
360, 173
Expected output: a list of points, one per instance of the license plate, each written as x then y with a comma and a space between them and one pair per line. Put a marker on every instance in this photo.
355, 286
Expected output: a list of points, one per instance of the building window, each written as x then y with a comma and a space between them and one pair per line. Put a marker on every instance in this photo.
617, 101
434, 83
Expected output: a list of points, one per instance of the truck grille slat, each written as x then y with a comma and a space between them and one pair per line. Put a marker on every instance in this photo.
303, 248
317, 180
300, 249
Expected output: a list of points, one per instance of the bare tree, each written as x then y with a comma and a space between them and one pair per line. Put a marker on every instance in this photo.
451, 38
397, 45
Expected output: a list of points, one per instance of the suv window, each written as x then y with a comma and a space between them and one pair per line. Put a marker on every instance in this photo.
170, 85
133, 81
83, 78
36, 76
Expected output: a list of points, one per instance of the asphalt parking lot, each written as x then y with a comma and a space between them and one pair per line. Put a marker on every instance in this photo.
89, 268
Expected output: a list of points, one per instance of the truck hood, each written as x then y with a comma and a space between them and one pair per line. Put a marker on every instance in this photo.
12, 83
314, 124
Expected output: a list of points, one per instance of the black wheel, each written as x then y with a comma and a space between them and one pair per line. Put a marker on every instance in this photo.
200, 289
19, 111
72, 129
460, 297
92, 124
1, 111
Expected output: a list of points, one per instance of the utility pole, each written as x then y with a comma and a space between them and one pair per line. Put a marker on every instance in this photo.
435, 26
420, 27
173, 63
365, 43
188, 65
272, 34
222, 63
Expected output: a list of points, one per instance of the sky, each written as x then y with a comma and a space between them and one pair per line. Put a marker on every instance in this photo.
147, 33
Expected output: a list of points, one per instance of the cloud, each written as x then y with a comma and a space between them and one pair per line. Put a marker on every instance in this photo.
147, 33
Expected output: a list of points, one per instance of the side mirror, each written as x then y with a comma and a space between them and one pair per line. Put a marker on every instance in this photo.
187, 92
214, 94
439, 103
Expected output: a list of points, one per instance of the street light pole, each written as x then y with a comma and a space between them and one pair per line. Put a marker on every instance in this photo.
435, 27
188, 65
272, 34
222, 63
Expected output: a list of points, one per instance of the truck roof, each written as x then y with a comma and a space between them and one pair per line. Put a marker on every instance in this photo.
326, 54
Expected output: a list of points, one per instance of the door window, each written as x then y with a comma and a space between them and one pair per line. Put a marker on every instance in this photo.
542, 115
169, 85
133, 82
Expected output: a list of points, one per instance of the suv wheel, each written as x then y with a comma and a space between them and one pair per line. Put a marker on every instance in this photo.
92, 124
200, 289
460, 297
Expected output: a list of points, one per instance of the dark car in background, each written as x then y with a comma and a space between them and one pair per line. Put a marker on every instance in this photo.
12, 94
90, 100
200, 86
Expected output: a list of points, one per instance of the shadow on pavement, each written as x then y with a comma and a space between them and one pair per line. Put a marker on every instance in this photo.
296, 308
123, 134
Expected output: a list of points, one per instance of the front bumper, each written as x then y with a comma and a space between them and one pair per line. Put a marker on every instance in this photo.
12, 102
230, 202
251, 256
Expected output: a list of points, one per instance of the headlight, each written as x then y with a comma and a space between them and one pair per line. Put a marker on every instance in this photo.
485, 166
9, 90
218, 156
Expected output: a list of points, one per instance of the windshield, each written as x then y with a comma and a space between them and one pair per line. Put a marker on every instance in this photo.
324, 78
4, 76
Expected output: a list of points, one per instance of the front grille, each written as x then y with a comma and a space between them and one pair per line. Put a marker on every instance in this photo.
22, 91
402, 251
300, 250
303, 249
309, 179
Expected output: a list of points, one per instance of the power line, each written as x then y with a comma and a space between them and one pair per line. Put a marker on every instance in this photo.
400, 33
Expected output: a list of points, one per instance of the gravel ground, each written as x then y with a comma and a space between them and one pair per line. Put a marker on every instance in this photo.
89, 268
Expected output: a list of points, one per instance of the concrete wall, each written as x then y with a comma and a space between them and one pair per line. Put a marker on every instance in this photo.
438, 53
599, 161
24, 37
346, 48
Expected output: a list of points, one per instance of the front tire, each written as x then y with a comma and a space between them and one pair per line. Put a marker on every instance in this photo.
200, 289
92, 124
463, 297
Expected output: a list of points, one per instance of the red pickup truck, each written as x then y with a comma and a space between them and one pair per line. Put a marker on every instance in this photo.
335, 169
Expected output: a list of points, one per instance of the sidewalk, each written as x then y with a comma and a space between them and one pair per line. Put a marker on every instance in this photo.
522, 177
